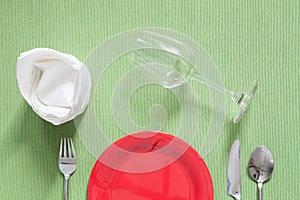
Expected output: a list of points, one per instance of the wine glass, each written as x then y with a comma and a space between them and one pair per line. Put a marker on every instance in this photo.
179, 57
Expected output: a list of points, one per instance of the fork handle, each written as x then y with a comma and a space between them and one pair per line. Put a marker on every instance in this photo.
67, 176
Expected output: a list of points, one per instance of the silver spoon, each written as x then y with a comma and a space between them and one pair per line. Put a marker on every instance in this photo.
261, 165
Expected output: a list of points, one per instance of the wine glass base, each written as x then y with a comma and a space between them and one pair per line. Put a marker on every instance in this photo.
244, 102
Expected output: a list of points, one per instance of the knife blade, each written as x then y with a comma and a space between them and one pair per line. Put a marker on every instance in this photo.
234, 171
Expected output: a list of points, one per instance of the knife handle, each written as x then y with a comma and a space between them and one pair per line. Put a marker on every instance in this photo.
259, 185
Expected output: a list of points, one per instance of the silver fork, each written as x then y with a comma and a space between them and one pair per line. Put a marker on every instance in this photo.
67, 161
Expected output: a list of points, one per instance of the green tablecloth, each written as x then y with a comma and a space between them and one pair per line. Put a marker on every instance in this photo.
247, 40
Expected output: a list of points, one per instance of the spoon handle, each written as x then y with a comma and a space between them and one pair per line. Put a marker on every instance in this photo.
259, 185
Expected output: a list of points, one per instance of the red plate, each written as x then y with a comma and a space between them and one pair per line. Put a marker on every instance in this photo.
186, 178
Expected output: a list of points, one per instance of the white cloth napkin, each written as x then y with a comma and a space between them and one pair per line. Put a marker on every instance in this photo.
56, 85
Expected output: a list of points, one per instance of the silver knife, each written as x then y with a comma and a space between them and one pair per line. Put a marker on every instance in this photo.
234, 171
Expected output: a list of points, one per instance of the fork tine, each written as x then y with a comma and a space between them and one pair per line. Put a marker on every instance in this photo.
73, 150
60, 149
69, 148
65, 148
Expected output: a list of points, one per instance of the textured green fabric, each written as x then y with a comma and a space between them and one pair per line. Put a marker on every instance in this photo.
247, 40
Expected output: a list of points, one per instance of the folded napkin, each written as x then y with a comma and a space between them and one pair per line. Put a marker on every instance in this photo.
56, 85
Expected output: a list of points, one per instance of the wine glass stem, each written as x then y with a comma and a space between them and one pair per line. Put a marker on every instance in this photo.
241, 99
235, 96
